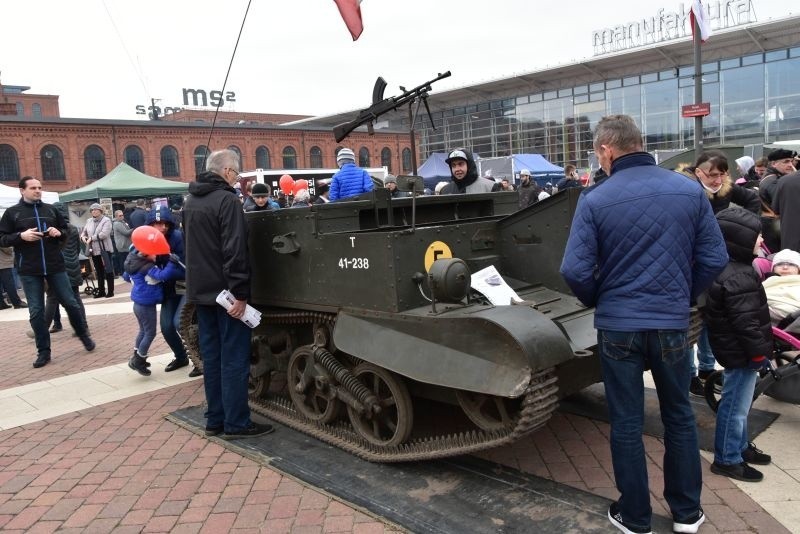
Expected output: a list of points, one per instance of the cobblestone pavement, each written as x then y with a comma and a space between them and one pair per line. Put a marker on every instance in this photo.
121, 467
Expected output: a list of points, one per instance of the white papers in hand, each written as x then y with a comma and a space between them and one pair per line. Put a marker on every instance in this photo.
251, 317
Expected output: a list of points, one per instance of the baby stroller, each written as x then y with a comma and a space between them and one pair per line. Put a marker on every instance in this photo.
89, 275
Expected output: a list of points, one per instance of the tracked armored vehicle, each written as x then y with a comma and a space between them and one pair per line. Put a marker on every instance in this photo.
372, 341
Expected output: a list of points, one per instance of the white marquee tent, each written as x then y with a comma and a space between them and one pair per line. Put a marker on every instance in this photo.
10, 196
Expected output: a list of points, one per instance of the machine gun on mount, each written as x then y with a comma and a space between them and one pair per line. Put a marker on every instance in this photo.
382, 105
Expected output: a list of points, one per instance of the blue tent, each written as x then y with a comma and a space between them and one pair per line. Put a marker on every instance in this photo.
542, 170
435, 170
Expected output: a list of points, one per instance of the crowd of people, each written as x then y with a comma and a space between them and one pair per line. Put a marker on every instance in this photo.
684, 238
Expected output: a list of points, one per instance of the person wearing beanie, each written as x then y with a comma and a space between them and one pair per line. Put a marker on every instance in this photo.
96, 234
786, 262
529, 190
464, 176
390, 183
173, 296
39, 260
739, 329
350, 180
260, 199
783, 290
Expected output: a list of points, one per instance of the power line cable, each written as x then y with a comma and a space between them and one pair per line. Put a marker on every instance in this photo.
127, 53
225, 83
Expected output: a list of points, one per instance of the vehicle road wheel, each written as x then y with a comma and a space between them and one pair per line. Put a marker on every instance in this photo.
309, 387
392, 425
489, 412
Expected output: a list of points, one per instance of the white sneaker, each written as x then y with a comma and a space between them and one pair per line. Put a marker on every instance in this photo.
690, 528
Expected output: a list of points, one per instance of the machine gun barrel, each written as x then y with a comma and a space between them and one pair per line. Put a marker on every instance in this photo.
369, 115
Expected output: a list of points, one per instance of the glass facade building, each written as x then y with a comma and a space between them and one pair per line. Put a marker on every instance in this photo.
754, 99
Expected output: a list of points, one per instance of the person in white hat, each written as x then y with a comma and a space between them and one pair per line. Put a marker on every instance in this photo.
464, 174
529, 191
783, 288
351, 180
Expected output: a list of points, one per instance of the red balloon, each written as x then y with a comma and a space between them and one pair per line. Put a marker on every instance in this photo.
286, 182
149, 240
298, 186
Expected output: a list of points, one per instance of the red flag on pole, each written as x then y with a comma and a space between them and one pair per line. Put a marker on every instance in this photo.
351, 13
699, 13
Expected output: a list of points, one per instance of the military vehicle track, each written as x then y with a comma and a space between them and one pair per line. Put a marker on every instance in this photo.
537, 405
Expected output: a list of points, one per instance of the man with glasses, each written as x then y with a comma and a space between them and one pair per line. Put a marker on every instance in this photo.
217, 259
781, 163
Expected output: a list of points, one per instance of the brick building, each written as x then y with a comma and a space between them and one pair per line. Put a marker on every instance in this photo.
67, 153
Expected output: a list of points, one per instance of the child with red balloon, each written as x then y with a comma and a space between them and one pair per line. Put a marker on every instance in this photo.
147, 290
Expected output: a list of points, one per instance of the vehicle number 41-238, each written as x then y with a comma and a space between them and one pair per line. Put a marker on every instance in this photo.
354, 263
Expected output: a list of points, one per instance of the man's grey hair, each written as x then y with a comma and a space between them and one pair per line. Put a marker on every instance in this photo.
618, 131
219, 160
140, 202
118, 212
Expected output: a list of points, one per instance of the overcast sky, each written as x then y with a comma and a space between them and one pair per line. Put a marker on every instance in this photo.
105, 57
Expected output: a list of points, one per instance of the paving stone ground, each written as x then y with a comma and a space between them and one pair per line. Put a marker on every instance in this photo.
121, 467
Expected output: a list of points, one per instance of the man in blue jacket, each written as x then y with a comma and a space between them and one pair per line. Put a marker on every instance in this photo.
351, 180
643, 245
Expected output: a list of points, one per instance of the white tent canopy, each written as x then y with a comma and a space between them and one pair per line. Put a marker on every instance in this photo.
10, 196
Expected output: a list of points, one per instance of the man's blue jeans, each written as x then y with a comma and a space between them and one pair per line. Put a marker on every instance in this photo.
731, 435
623, 356
170, 319
34, 293
705, 357
225, 348
7, 284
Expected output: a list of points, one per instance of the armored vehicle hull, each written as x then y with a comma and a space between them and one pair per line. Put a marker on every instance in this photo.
368, 342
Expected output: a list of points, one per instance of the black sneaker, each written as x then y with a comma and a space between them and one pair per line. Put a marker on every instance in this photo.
214, 431
615, 517
139, 364
703, 375
176, 364
697, 387
691, 524
195, 372
56, 328
20, 305
741, 471
88, 344
754, 455
41, 360
255, 429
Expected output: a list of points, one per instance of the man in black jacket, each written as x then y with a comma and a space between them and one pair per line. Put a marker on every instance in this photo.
35, 230
216, 260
